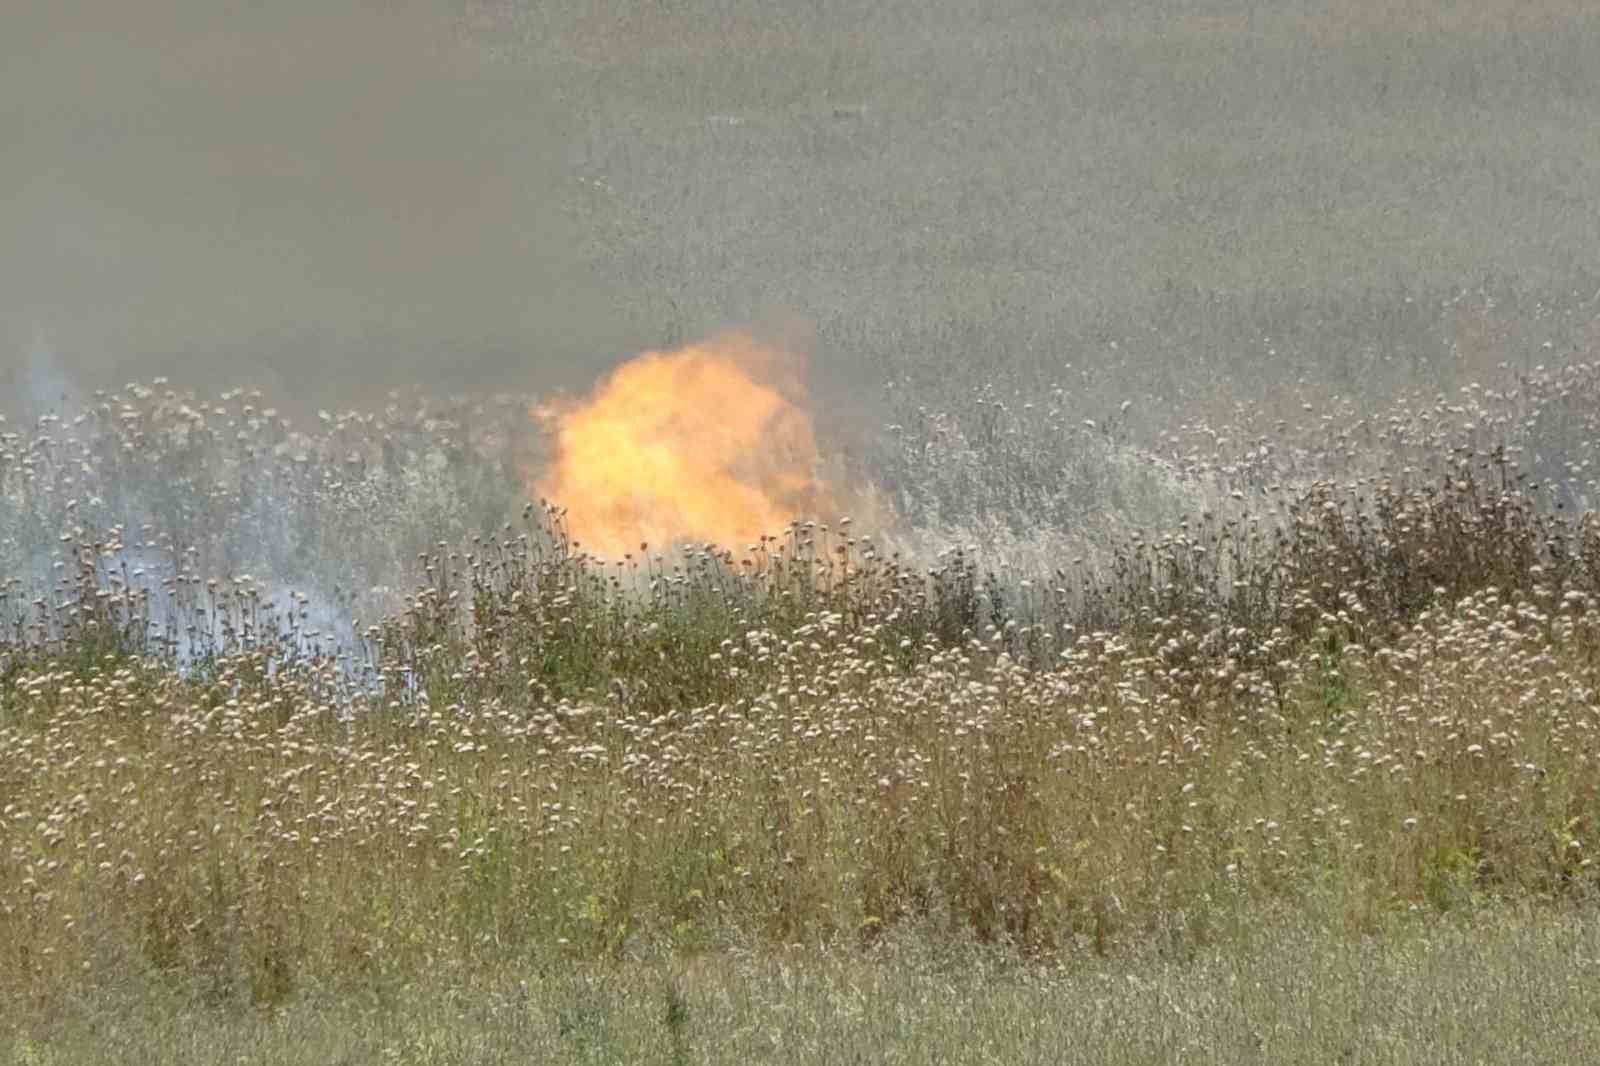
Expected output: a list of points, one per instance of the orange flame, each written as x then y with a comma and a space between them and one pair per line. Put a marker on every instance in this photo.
709, 443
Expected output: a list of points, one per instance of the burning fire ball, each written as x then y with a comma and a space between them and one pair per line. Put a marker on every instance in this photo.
709, 443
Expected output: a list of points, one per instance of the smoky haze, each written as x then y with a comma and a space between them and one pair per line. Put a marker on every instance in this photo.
1044, 261
1196, 203
318, 199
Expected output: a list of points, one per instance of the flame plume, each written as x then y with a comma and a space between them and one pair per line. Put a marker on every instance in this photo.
709, 443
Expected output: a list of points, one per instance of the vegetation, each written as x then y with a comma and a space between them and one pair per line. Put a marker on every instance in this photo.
1357, 688
1211, 670
1512, 987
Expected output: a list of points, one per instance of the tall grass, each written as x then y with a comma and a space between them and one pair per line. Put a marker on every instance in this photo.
1367, 691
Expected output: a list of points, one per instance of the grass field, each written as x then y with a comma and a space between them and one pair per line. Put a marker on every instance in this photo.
1210, 672
1349, 698
1516, 987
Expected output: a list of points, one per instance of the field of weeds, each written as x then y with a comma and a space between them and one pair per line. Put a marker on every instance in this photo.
1357, 685
1181, 641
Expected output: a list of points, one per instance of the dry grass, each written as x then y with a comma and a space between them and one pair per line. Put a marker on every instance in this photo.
1518, 987
1362, 680
1220, 683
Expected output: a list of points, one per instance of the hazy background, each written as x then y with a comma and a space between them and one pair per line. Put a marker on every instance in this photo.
314, 197
1213, 200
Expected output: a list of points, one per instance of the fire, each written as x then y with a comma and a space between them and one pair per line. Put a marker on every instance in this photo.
709, 443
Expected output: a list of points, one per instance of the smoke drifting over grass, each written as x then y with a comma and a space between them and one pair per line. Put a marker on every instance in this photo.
1035, 252
44, 387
